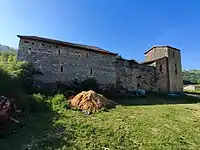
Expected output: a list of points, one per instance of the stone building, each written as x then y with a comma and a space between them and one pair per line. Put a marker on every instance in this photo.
65, 62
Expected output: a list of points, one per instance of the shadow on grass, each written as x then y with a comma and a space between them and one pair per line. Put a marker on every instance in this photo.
158, 100
39, 132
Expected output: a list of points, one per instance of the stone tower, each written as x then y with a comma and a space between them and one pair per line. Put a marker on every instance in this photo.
172, 74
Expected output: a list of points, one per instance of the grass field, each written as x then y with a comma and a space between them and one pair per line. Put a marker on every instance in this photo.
170, 126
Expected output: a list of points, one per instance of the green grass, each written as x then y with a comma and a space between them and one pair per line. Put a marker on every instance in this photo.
192, 91
173, 126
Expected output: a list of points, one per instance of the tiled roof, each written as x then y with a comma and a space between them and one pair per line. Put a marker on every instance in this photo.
161, 47
81, 46
151, 61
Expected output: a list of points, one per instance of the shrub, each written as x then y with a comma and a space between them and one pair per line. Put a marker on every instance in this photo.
89, 84
58, 102
57, 99
38, 103
113, 93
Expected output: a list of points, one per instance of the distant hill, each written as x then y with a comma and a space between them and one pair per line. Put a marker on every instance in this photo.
191, 76
5, 48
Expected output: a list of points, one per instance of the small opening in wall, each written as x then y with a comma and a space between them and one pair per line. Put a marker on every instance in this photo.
61, 68
175, 69
49, 51
29, 48
173, 54
91, 71
59, 52
33, 43
138, 85
160, 68
26, 41
42, 44
50, 46
79, 55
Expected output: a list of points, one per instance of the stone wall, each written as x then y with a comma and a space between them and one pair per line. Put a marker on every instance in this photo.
156, 53
163, 75
65, 64
175, 70
131, 75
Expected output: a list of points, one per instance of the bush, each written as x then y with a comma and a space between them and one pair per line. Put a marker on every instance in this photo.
57, 99
113, 93
58, 102
89, 84
39, 103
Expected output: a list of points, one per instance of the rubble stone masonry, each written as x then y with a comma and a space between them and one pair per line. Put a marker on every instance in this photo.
65, 62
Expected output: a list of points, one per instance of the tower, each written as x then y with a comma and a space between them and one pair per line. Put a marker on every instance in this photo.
168, 66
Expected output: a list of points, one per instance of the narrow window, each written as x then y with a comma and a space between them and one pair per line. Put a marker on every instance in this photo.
50, 46
79, 55
26, 42
175, 69
49, 51
61, 68
29, 48
58, 52
160, 68
33, 43
138, 85
42, 44
91, 71
173, 54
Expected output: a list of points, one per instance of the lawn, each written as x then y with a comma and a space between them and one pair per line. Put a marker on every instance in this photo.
170, 126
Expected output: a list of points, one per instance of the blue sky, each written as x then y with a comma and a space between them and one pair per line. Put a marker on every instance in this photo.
127, 27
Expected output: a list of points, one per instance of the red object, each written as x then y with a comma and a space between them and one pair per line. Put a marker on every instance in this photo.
7, 110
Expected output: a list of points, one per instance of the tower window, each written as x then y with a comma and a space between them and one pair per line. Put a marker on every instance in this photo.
61, 68
138, 85
175, 68
160, 68
58, 52
91, 71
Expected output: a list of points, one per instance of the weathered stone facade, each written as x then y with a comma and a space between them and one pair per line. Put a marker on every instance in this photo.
172, 66
65, 62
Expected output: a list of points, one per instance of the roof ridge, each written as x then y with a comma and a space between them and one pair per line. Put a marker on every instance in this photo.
83, 46
157, 46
